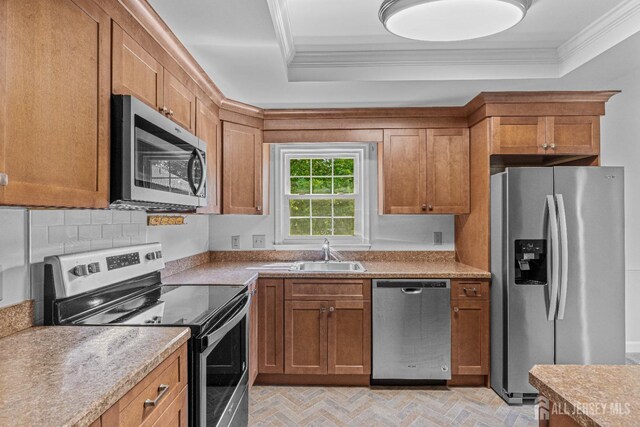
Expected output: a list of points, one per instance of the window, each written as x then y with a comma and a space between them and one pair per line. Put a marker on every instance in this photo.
321, 194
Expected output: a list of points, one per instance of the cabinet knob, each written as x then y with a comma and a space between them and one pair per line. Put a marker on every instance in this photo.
163, 110
331, 309
424, 207
322, 310
456, 309
171, 112
4, 179
553, 146
258, 208
545, 146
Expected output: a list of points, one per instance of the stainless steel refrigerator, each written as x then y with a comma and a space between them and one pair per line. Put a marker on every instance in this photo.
557, 264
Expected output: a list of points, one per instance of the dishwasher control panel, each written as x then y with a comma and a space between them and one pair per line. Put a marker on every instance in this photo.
412, 284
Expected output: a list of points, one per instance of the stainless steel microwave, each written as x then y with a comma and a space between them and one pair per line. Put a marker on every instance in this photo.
155, 164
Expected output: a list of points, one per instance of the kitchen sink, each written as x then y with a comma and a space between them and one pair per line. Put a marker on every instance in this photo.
328, 266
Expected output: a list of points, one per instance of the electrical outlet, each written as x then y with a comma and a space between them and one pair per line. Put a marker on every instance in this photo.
235, 242
437, 238
258, 241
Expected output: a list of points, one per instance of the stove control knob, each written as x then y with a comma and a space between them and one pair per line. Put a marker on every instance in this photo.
158, 254
80, 270
94, 267
151, 256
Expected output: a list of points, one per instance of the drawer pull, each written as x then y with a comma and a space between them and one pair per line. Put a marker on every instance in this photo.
162, 390
466, 291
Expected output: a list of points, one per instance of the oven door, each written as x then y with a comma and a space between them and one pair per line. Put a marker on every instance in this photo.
222, 374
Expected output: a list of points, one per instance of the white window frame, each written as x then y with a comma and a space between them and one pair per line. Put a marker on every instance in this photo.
282, 189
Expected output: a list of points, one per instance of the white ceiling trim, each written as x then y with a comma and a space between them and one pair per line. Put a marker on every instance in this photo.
280, 16
326, 63
615, 26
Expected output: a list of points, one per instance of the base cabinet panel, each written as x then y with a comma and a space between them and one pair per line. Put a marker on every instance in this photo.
470, 337
349, 337
270, 326
305, 337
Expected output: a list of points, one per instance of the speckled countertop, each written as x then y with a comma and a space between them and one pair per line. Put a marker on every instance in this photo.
595, 395
66, 375
242, 273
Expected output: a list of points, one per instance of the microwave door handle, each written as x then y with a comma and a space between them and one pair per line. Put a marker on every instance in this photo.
203, 166
564, 255
219, 333
192, 184
555, 257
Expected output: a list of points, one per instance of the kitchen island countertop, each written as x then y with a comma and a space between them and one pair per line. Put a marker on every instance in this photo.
70, 375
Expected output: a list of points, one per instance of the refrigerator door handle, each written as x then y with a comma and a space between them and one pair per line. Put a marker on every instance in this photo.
564, 254
555, 258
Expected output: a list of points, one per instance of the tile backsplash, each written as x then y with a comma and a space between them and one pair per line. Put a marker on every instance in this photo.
55, 232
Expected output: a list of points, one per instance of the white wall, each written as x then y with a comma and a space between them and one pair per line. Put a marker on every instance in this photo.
388, 232
27, 237
621, 147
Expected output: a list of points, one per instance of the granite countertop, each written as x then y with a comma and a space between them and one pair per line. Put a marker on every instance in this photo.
595, 395
70, 375
245, 272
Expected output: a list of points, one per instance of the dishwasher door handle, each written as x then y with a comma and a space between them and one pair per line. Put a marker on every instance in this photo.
412, 291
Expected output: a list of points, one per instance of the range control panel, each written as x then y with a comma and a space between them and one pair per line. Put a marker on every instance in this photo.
74, 274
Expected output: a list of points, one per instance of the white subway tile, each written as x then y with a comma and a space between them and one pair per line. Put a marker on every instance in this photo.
39, 236
89, 232
101, 244
138, 217
38, 253
47, 217
121, 217
111, 230
121, 241
131, 230
139, 239
63, 234
77, 217
101, 217
73, 247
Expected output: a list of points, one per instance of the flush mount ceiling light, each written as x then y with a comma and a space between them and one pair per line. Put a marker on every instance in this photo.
450, 20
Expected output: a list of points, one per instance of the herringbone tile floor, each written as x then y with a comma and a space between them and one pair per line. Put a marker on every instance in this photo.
360, 406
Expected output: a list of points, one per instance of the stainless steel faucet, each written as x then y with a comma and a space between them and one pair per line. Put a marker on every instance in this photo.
329, 253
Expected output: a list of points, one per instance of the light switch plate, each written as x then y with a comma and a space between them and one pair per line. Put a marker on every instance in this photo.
437, 238
235, 242
259, 241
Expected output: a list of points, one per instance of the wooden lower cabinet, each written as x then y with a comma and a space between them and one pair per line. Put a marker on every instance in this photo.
349, 338
166, 385
270, 326
470, 337
305, 337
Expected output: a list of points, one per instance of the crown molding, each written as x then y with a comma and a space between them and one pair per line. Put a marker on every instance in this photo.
282, 25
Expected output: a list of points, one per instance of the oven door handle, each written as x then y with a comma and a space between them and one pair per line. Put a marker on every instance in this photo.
196, 155
219, 333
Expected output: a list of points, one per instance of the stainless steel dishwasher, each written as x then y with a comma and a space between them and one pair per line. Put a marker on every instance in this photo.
411, 329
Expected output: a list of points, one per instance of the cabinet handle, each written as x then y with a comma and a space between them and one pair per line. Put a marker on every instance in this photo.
171, 112
258, 208
331, 309
162, 390
163, 110
456, 309
430, 207
474, 290
553, 146
4, 179
424, 207
545, 146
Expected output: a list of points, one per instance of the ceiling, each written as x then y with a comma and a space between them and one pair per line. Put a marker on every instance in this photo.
335, 53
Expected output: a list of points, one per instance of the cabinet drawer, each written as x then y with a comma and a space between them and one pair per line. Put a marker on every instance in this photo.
476, 289
170, 376
327, 289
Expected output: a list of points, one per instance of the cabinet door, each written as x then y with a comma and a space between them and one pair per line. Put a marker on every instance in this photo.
470, 337
518, 135
179, 101
135, 72
305, 337
54, 131
349, 337
208, 129
448, 171
270, 326
404, 171
242, 166
573, 135
253, 334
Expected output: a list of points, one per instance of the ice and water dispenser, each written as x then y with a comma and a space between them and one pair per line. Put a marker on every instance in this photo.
531, 262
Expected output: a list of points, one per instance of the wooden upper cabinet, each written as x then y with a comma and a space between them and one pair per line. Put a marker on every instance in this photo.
242, 166
270, 326
518, 135
54, 131
573, 135
559, 135
469, 337
135, 72
179, 102
208, 129
305, 337
448, 171
404, 171
349, 337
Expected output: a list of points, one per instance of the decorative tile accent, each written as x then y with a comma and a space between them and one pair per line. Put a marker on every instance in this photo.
388, 406
182, 264
15, 318
271, 255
